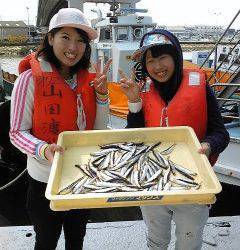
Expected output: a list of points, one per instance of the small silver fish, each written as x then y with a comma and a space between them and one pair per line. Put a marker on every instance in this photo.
168, 150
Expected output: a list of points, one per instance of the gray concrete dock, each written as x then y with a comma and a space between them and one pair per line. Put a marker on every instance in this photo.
126, 235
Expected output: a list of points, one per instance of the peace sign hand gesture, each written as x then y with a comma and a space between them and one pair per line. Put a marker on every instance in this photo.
100, 81
129, 87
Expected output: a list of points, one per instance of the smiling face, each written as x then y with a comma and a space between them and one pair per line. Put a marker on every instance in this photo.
160, 68
68, 47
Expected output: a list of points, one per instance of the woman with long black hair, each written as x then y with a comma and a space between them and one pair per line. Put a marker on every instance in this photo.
57, 91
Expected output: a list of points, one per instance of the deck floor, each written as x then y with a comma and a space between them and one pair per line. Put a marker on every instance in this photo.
125, 235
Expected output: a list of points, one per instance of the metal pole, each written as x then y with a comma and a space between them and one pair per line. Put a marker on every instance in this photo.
28, 22
76, 4
1, 31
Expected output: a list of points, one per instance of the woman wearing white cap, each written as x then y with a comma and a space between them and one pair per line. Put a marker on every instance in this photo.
57, 92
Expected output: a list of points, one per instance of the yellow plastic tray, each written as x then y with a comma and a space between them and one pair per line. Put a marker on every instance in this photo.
78, 146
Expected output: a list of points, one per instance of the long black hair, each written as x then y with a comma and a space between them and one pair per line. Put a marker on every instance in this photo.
46, 51
166, 91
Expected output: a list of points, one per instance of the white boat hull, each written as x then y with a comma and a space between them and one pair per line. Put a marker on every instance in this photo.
228, 164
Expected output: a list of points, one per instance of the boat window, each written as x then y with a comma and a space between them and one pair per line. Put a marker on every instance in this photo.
105, 34
236, 50
148, 29
106, 56
137, 33
236, 59
223, 57
122, 33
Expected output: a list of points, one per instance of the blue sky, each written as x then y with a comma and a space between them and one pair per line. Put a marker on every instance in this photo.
170, 12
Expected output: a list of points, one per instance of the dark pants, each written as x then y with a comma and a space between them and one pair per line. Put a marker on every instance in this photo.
48, 224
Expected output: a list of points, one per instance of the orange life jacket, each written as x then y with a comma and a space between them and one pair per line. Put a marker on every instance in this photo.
24, 64
187, 108
55, 103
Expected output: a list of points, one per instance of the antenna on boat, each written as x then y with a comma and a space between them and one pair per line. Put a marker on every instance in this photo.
113, 7
112, 14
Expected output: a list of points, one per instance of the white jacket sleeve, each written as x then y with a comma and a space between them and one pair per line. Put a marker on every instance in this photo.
21, 115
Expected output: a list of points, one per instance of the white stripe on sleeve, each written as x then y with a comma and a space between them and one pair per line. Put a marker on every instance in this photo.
21, 114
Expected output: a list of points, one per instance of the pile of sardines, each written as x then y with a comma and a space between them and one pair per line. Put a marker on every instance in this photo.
130, 167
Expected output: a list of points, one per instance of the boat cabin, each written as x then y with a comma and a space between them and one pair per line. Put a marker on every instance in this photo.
119, 37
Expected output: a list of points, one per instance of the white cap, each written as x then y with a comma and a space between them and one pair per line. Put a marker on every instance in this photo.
72, 17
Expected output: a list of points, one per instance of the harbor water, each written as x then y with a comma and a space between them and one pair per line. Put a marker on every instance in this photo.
10, 64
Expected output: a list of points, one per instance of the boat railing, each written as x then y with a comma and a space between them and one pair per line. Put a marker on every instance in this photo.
230, 70
230, 74
220, 40
226, 85
231, 109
